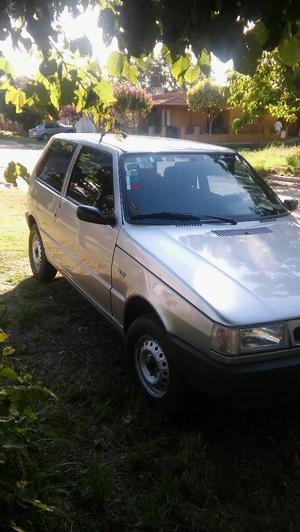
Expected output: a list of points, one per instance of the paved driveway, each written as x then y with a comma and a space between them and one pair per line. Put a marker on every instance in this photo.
12, 151
286, 189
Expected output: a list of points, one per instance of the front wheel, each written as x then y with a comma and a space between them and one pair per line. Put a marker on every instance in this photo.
45, 136
154, 363
40, 266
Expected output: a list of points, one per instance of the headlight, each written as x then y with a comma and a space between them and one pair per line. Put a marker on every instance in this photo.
235, 341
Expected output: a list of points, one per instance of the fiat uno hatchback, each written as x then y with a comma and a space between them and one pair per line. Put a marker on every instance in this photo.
185, 249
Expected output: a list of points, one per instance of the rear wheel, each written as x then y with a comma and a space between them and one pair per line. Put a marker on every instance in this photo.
154, 363
40, 266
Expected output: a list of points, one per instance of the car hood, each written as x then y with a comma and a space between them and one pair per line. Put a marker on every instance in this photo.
243, 274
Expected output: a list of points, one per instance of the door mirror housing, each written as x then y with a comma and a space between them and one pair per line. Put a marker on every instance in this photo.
291, 204
93, 215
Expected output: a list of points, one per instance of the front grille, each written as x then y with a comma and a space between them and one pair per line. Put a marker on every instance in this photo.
242, 232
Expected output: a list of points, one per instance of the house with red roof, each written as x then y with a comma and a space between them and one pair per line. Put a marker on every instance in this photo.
171, 117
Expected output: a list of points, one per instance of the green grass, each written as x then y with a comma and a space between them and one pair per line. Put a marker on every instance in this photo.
111, 463
18, 137
274, 159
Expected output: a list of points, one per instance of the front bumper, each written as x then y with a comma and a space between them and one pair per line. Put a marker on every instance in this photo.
261, 381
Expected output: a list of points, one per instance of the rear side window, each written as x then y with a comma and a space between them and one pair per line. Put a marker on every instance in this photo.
91, 182
53, 167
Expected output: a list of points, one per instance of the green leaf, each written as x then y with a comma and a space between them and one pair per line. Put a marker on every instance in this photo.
164, 50
81, 99
104, 91
82, 46
260, 32
48, 68
180, 66
192, 73
67, 88
3, 336
5, 85
8, 351
129, 72
16, 97
10, 374
289, 50
41, 93
204, 58
5, 66
115, 63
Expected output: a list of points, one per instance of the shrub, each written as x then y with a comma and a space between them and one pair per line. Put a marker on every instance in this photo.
15, 170
294, 160
22, 429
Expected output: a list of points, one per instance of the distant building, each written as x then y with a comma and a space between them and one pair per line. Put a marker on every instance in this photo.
171, 117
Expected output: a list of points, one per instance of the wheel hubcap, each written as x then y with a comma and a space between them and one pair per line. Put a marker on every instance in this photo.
37, 251
152, 367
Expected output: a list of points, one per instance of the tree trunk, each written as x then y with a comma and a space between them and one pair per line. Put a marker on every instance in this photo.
211, 119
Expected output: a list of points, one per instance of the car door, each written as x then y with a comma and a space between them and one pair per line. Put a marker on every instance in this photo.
45, 192
89, 247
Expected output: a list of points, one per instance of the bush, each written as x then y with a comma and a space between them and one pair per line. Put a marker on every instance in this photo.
294, 160
22, 429
15, 170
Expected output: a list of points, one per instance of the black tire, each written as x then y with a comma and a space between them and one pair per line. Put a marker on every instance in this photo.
161, 365
40, 266
45, 136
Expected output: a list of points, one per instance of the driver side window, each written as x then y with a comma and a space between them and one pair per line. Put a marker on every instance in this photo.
91, 182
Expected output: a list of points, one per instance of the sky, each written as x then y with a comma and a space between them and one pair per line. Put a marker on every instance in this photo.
85, 24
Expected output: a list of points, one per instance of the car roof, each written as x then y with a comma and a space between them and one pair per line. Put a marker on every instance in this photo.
141, 143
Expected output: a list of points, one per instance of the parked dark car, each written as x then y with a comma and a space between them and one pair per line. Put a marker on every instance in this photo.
45, 131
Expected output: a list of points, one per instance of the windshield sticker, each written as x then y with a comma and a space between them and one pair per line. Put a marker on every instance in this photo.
135, 182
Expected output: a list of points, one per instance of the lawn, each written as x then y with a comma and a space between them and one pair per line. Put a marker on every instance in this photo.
274, 159
112, 464
8, 137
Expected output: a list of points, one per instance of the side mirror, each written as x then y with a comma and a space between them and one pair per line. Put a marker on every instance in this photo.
93, 216
291, 204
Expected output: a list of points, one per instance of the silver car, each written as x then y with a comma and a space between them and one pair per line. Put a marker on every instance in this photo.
185, 249
48, 129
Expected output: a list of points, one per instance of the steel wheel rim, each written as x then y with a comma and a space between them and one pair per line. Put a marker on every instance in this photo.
152, 367
36, 251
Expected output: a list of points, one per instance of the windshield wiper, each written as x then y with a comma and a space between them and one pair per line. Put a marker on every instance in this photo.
208, 218
164, 215
182, 216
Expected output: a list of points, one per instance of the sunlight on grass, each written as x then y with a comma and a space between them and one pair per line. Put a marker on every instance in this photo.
13, 236
276, 160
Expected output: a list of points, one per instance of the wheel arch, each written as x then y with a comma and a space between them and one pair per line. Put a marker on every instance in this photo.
31, 221
138, 306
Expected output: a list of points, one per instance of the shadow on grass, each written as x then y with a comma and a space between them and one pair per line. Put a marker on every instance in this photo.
114, 461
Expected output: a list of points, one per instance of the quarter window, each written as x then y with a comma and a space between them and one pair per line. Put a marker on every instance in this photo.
53, 167
91, 182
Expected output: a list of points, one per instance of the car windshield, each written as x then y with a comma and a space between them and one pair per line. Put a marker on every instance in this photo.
208, 187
